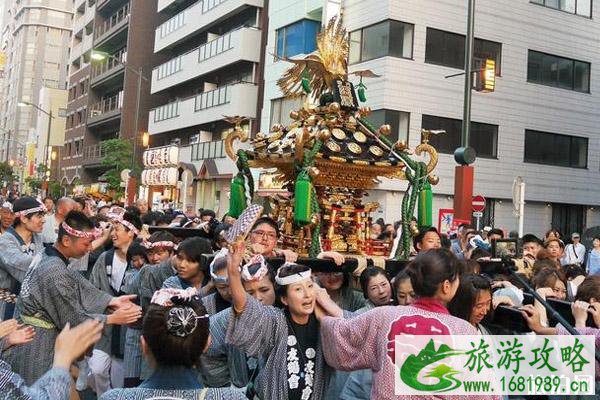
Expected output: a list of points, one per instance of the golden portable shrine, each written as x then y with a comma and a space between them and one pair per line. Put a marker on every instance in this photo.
329, 157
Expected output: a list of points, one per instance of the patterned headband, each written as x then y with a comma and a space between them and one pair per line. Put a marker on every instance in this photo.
182, 320
93, 234
289, 280
119, 220
163, 243
260, 272
39, 208
220, 255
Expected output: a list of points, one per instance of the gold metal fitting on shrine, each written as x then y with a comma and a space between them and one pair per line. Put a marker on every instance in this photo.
334, 107
311, 121
324, 134
400, 145
385, 129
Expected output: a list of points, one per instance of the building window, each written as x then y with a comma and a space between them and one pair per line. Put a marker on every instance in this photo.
398, 120
560, 72
568, 218
448, 49
281, 108
297, 38
387, 38
483, 138
554, 149
579, 7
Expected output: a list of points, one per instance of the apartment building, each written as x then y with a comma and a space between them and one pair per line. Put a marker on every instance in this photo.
35, 43
213, 52
109, 85
540, 123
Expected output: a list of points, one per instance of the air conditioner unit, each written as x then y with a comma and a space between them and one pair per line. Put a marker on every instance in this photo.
176, 142
195, 139
205, 136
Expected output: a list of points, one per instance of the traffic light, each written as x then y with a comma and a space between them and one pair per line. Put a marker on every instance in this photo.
485, 80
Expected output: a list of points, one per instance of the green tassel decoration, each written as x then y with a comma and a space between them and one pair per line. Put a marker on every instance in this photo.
361, 94
237, 198
303, 193
425, 206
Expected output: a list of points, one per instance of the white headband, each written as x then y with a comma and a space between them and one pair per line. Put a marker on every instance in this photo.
295, 278
23, 213
163, 243
260, 272
221, 254
162, 297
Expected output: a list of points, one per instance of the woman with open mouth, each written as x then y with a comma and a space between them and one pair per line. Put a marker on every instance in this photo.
288, 340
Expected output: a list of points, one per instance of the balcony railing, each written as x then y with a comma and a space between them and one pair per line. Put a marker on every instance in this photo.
215, 47
208, 5
178, 20
106, 105
206, 51
208, 150
93, 154
213, 98
112, 21
169, 68
234, 99
120, 58
172, 24
168, 111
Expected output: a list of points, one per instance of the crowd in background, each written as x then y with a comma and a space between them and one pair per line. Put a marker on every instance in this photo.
76, 273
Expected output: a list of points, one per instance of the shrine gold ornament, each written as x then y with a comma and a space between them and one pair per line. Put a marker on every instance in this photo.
330, 155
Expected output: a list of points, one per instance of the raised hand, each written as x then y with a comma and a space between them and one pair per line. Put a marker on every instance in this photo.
532, 316
289, 255
580, 313
72, 343
337, 258
323, 300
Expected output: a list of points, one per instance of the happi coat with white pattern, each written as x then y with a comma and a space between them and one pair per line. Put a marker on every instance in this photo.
53, 295
363, 341
262, 332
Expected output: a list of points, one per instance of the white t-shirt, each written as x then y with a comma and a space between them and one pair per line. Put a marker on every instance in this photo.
50, 230
574, 254
118, 272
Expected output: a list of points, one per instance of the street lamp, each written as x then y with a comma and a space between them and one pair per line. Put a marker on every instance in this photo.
23, 103
145, 139
98, 55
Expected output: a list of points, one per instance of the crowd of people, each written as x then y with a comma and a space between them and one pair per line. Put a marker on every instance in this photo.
92, 302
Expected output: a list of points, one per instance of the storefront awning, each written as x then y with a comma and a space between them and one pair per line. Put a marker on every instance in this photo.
189, 167
217, 168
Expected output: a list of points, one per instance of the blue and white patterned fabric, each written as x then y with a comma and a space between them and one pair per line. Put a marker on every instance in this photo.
53, 385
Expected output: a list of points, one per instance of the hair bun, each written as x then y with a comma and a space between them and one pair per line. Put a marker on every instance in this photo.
182, 321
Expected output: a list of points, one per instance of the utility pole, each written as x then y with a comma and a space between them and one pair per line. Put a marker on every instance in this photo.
465, 155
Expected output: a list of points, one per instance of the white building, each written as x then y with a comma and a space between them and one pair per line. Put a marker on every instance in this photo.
35, 41
540, 123
212, 55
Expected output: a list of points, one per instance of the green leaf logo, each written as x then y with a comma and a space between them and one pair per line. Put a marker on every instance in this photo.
413, 365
